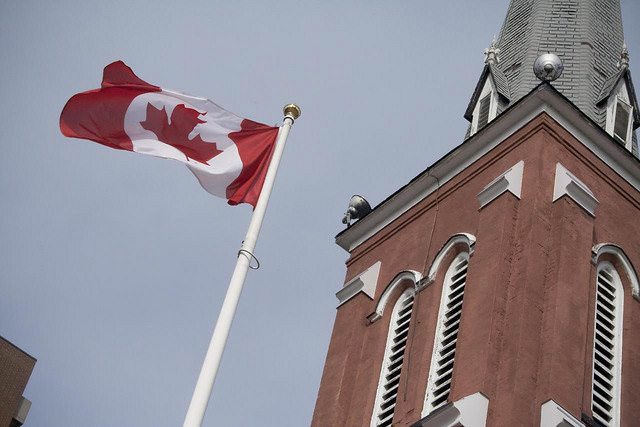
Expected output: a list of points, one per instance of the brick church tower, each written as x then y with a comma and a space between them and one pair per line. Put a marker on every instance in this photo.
499, 287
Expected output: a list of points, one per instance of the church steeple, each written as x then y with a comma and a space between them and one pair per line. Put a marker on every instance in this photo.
587, 36
500, 286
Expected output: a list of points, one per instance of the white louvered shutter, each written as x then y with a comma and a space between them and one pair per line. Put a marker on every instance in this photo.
607, 343
483, 111
392, 361
443, 358
621, 123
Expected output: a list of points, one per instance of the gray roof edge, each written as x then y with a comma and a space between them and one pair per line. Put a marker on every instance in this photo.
500, 79
634, 100
609, 86
502, 87
470, 150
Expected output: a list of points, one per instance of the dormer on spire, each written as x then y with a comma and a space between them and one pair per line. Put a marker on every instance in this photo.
491, 93
587, 35
618, 97
491, 54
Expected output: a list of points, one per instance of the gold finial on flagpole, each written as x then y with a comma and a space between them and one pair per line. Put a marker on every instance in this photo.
292, 111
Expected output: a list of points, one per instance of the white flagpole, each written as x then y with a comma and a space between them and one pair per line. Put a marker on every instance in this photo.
202, 392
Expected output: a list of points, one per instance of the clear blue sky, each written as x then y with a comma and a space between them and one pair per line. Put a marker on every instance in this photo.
114, 265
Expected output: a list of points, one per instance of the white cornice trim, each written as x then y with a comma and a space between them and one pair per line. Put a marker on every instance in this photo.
469, 240
542, 99
410, 275
554, 415
612, 249
365, 282
510, 181
470, 411
566, 184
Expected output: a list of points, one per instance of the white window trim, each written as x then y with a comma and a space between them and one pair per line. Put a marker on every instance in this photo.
620, 93
612, 249
446, 289
387, 354
616, 383
488, 88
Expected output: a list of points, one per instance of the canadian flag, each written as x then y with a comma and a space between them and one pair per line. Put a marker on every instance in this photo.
229, 155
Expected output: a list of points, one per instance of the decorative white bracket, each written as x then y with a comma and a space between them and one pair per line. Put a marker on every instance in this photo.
365, 282
567, 184
470, 411
612, 249
510, 181
554, 415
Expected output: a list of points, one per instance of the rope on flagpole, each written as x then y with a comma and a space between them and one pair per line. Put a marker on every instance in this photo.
204, 385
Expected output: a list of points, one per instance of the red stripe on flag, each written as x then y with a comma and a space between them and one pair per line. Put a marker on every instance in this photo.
255, 143
119, 74
98, 114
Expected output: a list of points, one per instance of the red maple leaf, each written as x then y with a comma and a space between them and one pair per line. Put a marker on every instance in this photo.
176, 133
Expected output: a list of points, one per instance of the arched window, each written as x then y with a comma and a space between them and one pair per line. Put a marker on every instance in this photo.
607, 347
392, 362
446, 337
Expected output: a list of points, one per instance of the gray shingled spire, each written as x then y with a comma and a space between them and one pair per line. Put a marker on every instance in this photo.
587, 36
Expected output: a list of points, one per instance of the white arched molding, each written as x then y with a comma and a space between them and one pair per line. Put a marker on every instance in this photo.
467, 240
616, 251
408, 275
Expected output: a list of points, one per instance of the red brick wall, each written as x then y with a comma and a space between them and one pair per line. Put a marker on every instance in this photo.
15, 370
527, 324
